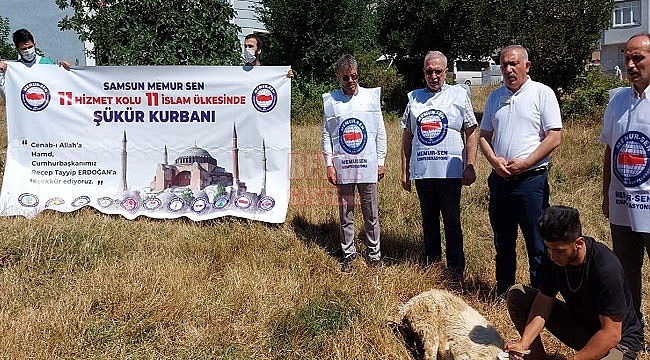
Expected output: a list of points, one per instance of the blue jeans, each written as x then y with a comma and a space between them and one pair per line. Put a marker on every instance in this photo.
442, 197
512, 203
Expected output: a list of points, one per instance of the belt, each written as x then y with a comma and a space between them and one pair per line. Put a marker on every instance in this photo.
528, 174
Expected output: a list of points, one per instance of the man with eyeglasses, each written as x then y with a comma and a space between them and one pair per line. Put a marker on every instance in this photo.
438, 159
26, 48
520, 128
354, 148
596, 316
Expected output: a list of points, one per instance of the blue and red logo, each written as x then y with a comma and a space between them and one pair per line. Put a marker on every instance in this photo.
35, 96
432, 127
264, 98
630, 158
353, 136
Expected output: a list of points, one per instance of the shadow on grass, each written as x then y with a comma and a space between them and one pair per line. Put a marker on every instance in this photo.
324, 235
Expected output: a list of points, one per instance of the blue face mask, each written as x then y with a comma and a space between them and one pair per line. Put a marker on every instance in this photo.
249, 55
28, 54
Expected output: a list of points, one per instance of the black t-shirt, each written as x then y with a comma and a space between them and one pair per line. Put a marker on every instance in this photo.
597, 287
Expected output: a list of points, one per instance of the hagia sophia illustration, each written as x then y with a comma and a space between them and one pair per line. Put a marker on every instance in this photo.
195, 169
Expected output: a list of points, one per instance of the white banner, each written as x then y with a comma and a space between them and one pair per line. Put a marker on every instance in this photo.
158, 141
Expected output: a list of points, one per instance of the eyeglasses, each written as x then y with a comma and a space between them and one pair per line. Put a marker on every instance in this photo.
430, 72
348, 77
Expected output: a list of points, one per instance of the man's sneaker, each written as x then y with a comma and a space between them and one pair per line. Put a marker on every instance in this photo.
346, 265
377, 263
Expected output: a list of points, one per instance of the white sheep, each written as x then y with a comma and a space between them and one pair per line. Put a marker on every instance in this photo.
447, 327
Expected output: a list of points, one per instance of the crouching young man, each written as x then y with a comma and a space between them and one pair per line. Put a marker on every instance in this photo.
596, 318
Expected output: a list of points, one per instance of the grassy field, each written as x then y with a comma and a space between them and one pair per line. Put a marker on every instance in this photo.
85, 285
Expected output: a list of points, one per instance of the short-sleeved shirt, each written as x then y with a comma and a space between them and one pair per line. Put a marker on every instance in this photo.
626, 129
436, 120
519, 121
597, 287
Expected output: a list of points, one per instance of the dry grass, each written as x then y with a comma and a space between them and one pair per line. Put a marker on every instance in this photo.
86, 285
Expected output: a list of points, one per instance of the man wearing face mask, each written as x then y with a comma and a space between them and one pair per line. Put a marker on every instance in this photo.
253, 50
26, 48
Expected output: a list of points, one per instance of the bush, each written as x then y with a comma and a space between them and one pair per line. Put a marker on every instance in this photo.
306, 94
384, 75
307, 100
589, 96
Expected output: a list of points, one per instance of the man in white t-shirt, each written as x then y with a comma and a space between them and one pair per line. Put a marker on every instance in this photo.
520, 128
354, 148
435, 155
626, 195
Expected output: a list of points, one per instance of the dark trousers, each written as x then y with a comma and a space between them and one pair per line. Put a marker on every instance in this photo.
628, 246
517, 203
560, 323
442, 197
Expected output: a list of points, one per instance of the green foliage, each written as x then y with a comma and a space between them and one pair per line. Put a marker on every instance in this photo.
589, 96
380, 74
457, 28
156, 32
7, 50
307, 100
311, 35
559, 35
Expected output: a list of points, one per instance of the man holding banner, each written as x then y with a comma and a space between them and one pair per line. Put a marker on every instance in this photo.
354, 148
26, 48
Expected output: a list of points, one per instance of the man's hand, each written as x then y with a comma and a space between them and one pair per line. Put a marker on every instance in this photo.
406, 182
516, 350
469, 175
66, 65
516, 166
501, 168
331, 174
3, 66
380, 172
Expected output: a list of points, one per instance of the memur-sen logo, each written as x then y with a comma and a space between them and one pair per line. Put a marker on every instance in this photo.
630, 158
353, 136
35, 96
432, 127
264, 98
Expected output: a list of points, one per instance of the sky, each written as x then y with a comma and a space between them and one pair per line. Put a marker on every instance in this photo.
40, 17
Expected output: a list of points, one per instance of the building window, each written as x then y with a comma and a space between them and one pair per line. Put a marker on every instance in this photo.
626, 13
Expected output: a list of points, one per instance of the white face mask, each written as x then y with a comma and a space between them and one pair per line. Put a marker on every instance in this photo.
249, 55
28, 54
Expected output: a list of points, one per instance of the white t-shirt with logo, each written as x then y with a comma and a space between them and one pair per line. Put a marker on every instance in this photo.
436, 120
626, 129
519, 121
354, 136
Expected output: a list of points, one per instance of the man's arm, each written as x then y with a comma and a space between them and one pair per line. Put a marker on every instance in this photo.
326, 145
497, 163
407, 140
471, 142
607, 178
539, 312
549, 143
603, 340
381, 148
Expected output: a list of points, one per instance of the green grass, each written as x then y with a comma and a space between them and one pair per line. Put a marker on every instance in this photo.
85, 285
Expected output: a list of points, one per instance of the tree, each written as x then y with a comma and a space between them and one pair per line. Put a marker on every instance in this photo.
559, 35
311, 35
7, 50
452, 26
156, 32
